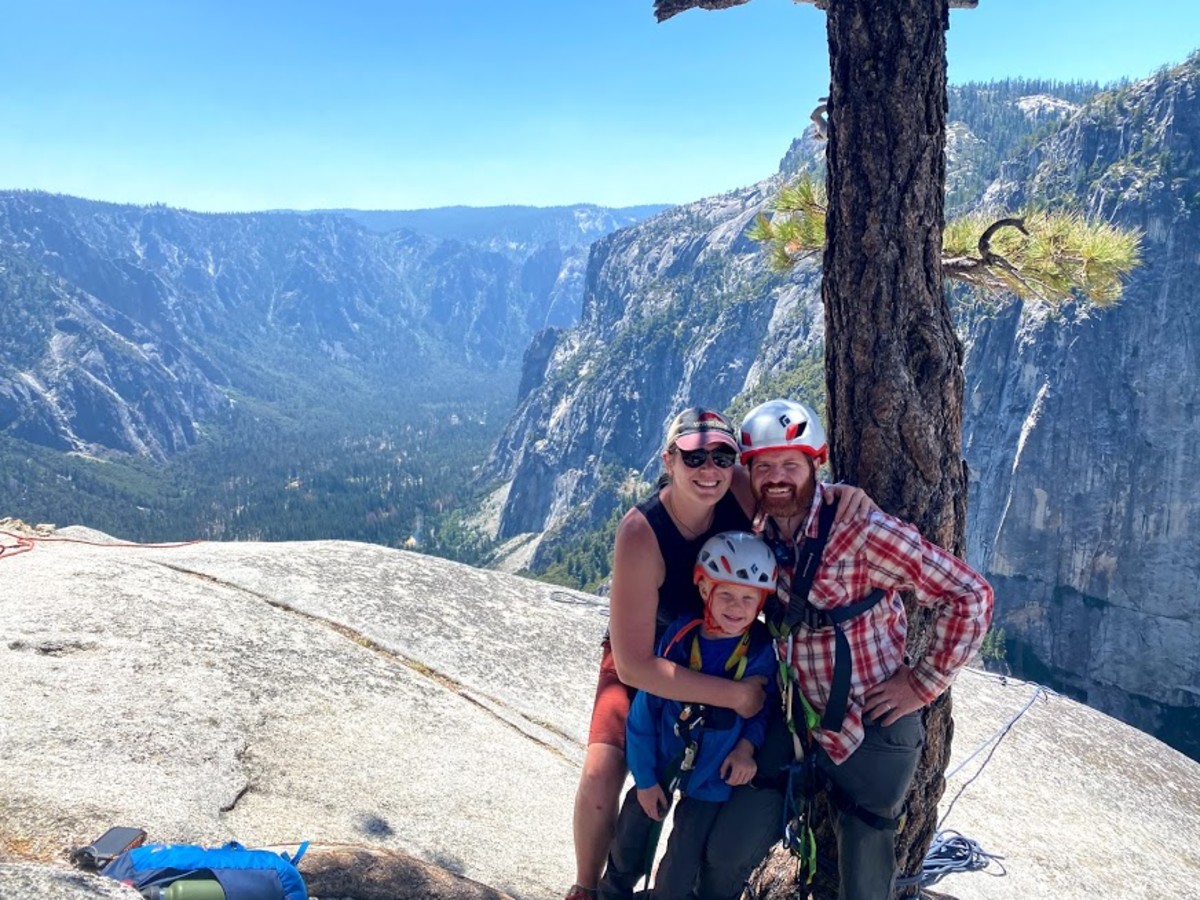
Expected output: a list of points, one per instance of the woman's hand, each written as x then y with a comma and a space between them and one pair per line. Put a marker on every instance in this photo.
752, 694
852, 502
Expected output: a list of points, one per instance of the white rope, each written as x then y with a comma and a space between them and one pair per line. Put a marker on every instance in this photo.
950, 852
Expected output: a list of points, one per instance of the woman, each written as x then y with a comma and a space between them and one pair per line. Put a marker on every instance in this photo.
703, 493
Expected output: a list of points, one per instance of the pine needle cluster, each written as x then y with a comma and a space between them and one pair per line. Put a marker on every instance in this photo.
1060, 256
1039, 256
797, 230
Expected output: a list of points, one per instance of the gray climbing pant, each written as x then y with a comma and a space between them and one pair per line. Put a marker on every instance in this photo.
876, 778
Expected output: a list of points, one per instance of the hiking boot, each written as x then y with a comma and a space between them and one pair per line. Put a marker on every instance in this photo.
580, 893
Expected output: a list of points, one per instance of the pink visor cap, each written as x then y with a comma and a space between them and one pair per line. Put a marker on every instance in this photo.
696, 428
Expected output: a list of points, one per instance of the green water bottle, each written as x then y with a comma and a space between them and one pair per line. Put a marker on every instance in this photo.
186, 889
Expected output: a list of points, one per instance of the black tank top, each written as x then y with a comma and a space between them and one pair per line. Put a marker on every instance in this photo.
678, 594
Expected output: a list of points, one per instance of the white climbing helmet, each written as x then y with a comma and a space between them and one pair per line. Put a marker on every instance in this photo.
783, 425
737, 557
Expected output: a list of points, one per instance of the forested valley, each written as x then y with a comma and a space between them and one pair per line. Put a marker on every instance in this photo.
387, 476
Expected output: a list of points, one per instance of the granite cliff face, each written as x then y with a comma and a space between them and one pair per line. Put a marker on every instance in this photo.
1080, 425
399, 711
1082, 428
77, 372
677, 310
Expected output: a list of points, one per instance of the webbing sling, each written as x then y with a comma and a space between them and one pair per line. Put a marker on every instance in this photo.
846, 804
799, 610
839, 691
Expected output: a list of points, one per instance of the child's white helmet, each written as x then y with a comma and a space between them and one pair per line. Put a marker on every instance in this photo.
737, 557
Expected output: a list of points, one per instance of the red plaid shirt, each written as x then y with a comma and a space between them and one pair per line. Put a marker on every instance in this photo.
886, 553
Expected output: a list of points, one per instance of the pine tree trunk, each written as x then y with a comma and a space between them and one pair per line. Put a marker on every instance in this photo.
893, 362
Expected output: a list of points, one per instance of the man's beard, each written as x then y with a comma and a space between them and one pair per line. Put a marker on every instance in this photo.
784, 506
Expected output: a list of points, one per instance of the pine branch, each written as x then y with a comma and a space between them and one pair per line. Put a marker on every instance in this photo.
1057, 257
1038, 257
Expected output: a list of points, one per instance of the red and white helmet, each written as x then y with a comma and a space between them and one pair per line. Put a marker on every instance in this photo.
783, 425
737, 557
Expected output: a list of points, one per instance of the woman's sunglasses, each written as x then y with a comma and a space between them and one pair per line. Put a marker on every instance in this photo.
722, 457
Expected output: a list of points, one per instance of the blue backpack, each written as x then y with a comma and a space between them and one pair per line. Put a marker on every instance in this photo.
243, 874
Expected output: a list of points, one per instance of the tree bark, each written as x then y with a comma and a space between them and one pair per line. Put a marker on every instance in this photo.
893, 363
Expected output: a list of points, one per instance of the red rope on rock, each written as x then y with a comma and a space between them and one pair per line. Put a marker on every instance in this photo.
24, 543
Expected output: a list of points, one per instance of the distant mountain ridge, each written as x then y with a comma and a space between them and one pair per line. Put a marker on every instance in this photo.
125, 325
498, 227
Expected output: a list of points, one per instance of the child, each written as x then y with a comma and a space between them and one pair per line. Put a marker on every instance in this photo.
704, 751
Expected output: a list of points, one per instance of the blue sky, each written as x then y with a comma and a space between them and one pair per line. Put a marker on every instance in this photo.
263, 104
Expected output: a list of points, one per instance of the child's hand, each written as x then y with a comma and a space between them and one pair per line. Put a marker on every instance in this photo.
739, 766
653, 802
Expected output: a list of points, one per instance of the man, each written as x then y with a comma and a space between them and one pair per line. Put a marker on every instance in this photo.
845, 636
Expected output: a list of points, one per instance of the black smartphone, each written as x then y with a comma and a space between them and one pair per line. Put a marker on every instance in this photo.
104, 849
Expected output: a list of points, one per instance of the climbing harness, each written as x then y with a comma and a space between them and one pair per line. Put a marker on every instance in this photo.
687, 728
802, 564
737, 659
801, 560
694, 715
950, 852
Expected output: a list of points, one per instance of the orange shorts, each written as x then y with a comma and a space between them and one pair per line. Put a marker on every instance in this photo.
611, 708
